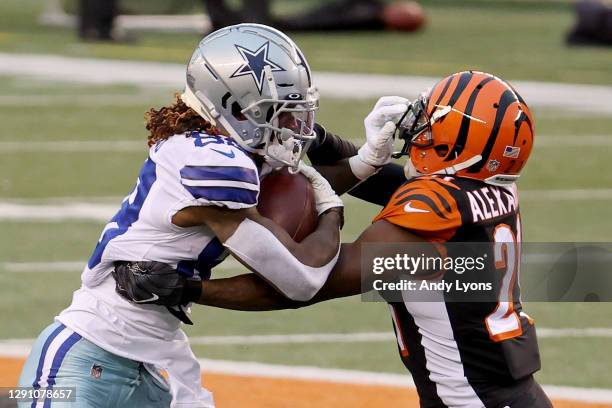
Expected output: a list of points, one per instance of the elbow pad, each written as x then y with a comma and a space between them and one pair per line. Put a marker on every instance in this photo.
257, 246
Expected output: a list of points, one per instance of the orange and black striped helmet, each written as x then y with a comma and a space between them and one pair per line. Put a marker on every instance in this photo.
470, 124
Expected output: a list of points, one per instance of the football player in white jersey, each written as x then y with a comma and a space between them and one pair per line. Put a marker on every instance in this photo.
248, 106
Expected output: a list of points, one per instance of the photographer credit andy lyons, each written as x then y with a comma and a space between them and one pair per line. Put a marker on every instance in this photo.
429, 275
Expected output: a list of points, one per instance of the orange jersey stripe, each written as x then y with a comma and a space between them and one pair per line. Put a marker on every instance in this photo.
424, 206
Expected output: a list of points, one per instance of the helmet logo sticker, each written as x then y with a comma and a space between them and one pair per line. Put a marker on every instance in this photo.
255, 63
493, 165
512, 152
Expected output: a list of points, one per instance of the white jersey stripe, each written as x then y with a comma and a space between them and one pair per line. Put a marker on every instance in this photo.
49, 356
220, 183
443, 360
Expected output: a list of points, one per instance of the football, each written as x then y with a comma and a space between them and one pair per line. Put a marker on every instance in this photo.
404, 16
288, 199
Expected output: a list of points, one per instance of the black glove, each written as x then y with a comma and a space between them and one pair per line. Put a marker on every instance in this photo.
154, 283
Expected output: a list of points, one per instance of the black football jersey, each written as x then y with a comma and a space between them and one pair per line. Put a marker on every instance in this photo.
464, 354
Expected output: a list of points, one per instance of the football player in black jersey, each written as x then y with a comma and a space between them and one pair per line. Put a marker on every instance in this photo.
467, 139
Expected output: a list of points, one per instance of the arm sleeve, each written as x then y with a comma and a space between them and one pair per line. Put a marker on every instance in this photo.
258, 248
329, 148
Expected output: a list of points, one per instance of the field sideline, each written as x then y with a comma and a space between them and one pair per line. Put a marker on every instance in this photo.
308, 386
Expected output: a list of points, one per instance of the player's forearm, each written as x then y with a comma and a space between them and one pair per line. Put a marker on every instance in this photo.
247, 292
339, 176
329, 148
250, 292
379, 188
329, 156
297, 270
316, 249
320, 247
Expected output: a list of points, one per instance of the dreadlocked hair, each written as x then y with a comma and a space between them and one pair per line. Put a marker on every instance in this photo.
175, 119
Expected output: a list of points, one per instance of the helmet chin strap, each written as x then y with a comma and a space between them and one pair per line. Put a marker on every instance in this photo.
458, 167
410, 171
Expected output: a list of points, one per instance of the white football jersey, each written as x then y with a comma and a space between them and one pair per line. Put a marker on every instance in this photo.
185, 170
192, 169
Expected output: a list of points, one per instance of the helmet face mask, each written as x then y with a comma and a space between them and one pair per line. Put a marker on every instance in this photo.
415, 127
287, 129
253, 82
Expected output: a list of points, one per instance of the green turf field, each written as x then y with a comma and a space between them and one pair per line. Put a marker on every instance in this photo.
87, 176
37, 113
524, 40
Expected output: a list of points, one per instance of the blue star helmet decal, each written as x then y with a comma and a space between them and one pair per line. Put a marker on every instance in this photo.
254, 64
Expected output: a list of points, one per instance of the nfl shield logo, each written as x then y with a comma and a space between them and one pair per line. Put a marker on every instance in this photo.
512, 152
96, 371
493, 165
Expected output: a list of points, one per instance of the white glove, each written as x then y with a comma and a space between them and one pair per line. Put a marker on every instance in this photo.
380, 126
325, 196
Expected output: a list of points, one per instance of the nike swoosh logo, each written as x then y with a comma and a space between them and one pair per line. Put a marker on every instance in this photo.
231, 154
151, 299
409, 209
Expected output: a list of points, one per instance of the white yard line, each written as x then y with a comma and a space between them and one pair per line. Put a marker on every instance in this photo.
580, 194
598, 332
75, 146
57, 266
370, 337
359, 337
57, 213
13, 210
573, 141
81, 100
98, 146
588, 98
369, 378
364, 337
21, 348
249, 369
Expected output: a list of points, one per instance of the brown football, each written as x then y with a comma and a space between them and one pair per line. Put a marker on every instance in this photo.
404, 16
288, 199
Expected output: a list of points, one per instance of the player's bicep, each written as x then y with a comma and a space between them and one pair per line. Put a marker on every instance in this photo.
222, 221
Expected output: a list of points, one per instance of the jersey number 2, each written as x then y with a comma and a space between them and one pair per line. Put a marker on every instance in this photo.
504, 322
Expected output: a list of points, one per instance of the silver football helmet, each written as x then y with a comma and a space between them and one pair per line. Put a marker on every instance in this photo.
254, 82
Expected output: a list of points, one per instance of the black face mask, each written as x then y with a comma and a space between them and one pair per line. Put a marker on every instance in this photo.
414, 127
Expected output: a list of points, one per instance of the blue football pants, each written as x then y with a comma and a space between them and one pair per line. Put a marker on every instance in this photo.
62, 358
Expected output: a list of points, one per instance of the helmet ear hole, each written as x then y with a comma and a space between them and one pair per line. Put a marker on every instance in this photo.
441, 150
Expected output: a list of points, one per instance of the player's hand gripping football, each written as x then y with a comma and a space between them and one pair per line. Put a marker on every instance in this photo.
325, 196
380, 126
